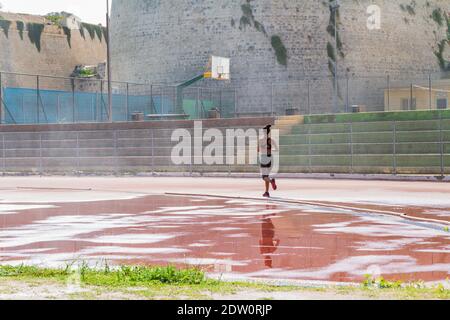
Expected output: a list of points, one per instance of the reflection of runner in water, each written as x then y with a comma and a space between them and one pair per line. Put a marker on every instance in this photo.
268, 244
265, 148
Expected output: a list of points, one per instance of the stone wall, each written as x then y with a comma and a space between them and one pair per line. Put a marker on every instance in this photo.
170, 41
58, 55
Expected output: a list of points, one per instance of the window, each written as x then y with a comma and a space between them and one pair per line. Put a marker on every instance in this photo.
406, 105
441, 103
414, 104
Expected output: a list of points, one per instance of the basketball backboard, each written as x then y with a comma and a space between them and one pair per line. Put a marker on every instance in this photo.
220, 68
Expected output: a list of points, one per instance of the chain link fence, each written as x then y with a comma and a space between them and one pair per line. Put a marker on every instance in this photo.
360, 94
35, 99
30, 99
382, 147
420, 147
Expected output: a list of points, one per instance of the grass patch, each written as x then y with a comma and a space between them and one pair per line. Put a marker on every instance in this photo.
33, 272
112, 277
172, 283
148, 282
410, 290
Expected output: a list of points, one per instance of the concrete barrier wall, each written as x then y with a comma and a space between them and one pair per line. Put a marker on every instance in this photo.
106, 148
382, 147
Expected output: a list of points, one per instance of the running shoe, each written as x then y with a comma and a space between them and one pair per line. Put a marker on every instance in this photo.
274, 184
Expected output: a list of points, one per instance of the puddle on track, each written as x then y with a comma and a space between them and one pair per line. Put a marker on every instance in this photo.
237, 237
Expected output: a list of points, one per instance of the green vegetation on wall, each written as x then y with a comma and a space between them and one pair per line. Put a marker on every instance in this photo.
20, 27
68, 34
34, 33
99, 32
105, 34
332, 32
248, 20
260, 27
280, 50
410, 8
439, 17
447, 18
93, 30
86, 73
83, 35
89, 28
331, 56
247, 16
55, 18
5, 24
444, 64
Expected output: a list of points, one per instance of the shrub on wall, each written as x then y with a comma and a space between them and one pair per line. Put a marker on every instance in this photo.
5, 24
438, 17
280, 50
34, 33
105, 34
55, 18
93, 30
444, 64
68, 34
20, 27
89, 29
248, 20
83, 35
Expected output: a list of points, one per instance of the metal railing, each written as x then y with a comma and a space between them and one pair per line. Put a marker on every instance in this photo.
39, 99
371, 94
383, 147
390, 147
47, 99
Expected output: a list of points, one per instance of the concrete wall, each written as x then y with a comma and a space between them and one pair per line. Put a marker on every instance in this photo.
106, 148
56, 57
388, 147
421, 94
171, 40
382, 147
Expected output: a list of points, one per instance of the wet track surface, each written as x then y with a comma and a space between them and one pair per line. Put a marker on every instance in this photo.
249, 238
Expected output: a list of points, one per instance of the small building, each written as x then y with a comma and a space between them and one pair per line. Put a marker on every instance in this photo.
418, 96
71, 21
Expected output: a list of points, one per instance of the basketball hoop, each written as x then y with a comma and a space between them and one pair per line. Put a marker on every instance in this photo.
219, 69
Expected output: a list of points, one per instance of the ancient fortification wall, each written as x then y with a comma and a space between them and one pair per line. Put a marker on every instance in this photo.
54, 51
276, 41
